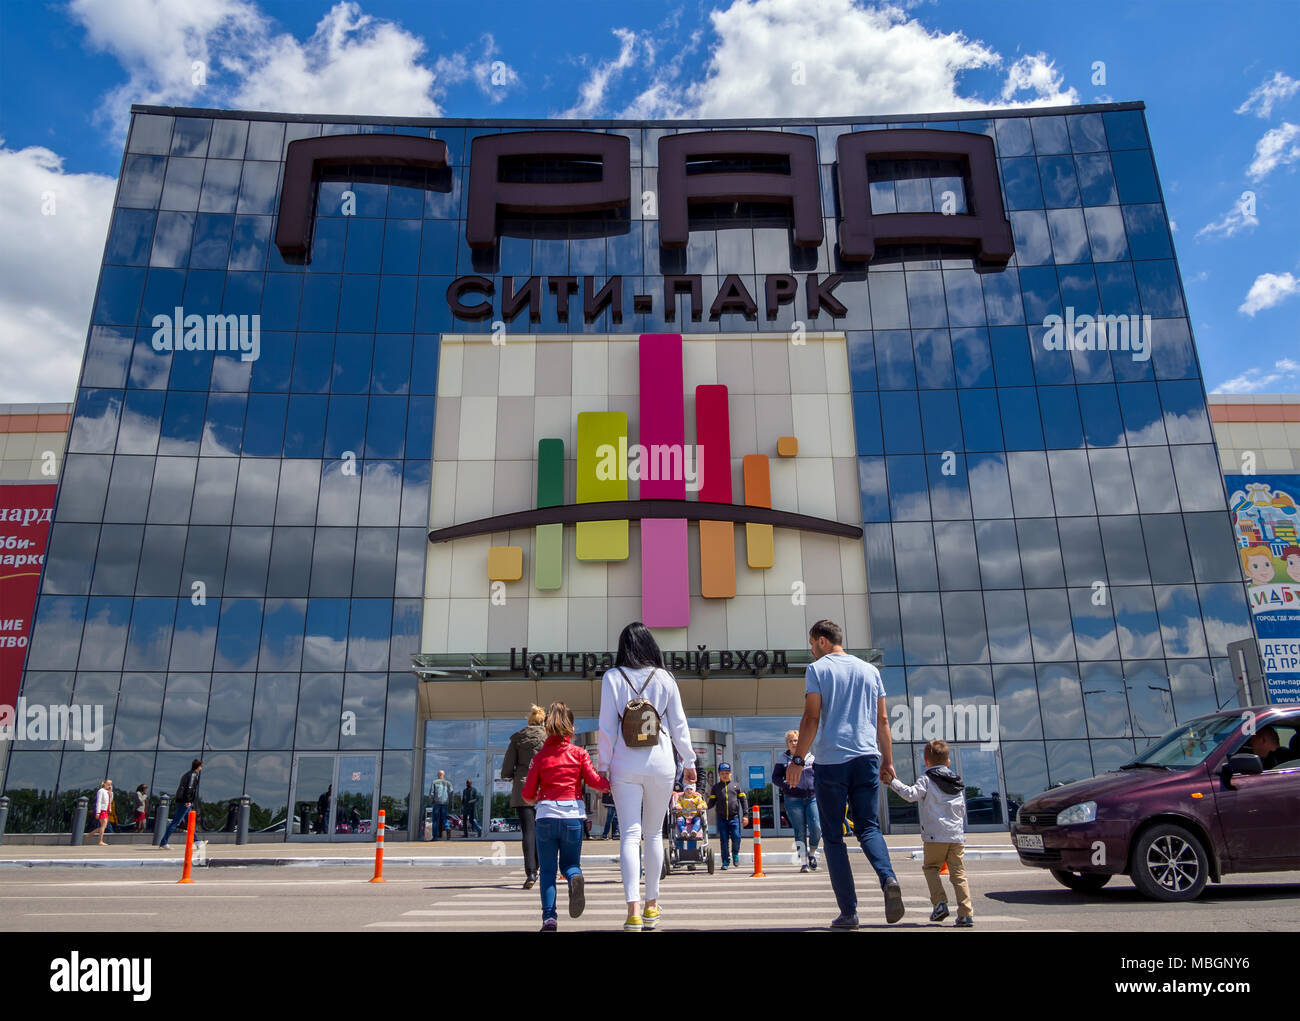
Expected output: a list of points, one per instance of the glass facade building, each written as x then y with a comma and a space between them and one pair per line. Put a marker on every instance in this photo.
239, 555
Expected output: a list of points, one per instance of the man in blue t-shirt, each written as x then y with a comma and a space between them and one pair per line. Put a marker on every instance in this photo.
844, 709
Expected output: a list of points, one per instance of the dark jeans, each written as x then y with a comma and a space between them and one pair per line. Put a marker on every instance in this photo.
855, 783
528, 826
438, 820
729, 835
182, 810
467, 820
611, 822
557, 839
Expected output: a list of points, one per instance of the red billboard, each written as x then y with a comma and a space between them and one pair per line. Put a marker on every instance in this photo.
25, 513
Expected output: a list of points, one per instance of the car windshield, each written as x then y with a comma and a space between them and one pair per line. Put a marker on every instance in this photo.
1189, 745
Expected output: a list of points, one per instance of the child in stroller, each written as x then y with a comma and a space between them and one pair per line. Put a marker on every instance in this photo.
690, 816
688, 831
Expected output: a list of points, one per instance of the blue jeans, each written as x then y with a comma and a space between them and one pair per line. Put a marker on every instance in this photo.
438, 820
855, 783
805, 823
182, 810
611, 822
729, 834
557, 839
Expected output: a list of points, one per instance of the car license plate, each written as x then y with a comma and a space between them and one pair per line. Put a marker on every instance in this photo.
1029, 841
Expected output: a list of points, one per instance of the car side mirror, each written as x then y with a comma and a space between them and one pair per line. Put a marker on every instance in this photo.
1243, 764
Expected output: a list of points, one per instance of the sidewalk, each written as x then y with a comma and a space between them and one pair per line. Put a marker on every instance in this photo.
504, 852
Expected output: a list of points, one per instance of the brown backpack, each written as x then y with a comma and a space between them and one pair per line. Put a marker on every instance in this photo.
640, 720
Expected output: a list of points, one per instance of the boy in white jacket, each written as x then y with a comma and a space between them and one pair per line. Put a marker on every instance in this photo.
943, 830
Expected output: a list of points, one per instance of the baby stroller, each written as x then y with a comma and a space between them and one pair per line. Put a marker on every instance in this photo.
688, 847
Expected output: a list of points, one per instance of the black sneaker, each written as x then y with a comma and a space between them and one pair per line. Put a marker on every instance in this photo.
845, 922
812, 861
577, 899
804, 867
550, 925
965, 922
940, 912
529, 881
893, 901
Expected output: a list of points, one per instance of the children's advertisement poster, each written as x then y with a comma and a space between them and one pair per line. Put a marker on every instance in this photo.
1265, 518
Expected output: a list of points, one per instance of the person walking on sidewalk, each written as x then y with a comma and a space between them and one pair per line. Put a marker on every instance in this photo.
844, 713
187, 797
141, 806
611, 816
103, 805
524, 744
641, 723
800, 804
943, 830
439, 804
468, 801
732, 811
554, 785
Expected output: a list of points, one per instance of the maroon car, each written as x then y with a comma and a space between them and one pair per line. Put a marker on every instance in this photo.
1219, 794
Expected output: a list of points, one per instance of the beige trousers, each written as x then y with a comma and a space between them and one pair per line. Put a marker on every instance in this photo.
935, 856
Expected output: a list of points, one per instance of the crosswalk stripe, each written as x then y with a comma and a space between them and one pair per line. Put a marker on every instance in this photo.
678, 919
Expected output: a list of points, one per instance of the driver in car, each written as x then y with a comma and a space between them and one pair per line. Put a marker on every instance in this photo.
1266, 745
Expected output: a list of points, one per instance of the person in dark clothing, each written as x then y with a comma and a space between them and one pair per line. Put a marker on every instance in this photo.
468, 801
187, 797
611, 816
323, 809
732, 808
514, 767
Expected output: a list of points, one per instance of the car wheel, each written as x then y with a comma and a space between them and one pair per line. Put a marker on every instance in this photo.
1170, 864
1081, 882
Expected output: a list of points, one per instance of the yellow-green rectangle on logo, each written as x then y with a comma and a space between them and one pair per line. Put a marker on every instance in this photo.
601, 476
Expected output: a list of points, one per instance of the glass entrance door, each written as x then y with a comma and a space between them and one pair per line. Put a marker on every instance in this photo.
334, 797
981, 772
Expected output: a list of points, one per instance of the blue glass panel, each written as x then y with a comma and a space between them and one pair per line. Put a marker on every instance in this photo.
1125, 129
886, 628
297, 502
1069, 235
1062, 426
203, 290
934, 368
238, 637
1141, 411
265, 140
1102, 424
56, 633
149, 641
415, 492
283, 623
365, 245
401, 247
972, 357
273, 371
925, 299
328, 245
248, 244
1031, 486
368, 630
1172, 351
1002, 298
257, 188
438, 243
431, 312
981, 420
949, 486
280, 299
220, 193
141, 419
142, 182
1033, 243
150, 133
1008, 626
264, 430
1020, 185
1135, 176
1060, 188
103, 641
223, 427
1118, 289
940, 420
1079, 289
1094, 626
1159, 290
908, 489
120, 288
313, 362
396, 304
888, 293
305, 431
352, 356
879, 542
1050, 365
1148, 232
381, 493
1096, 180
894, 364
419, 429
131, 238
1087, 132
243, 294
1014, 137
1050, 135
922, 628
181, 184
1041, 291
965, 297
357, 304
1012, 363
902, 423
874, 488
195, 636
94, 423
386, 427
345, 428
320, 303
108, 352
1185, 414
391, 369
1106, 233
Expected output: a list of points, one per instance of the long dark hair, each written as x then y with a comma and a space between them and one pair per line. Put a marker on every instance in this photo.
637, 648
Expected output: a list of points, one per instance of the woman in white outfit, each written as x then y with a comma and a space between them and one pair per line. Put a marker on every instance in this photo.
642, 778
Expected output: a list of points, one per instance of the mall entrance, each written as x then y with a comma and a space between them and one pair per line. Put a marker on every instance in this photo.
332, 797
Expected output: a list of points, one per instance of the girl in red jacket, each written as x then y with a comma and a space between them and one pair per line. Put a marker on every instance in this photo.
554, 785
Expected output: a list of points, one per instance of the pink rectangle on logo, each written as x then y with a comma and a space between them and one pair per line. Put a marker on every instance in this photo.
663, 417
713, 438
665, 576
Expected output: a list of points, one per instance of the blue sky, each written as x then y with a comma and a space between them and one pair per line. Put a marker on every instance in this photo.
1221, 83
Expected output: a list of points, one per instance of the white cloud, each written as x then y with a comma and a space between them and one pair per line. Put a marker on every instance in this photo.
1285, 371
352, 62
851, 59
1237, 219
1268, 290
1277, 89
591, 93
47, 283
1278, 148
